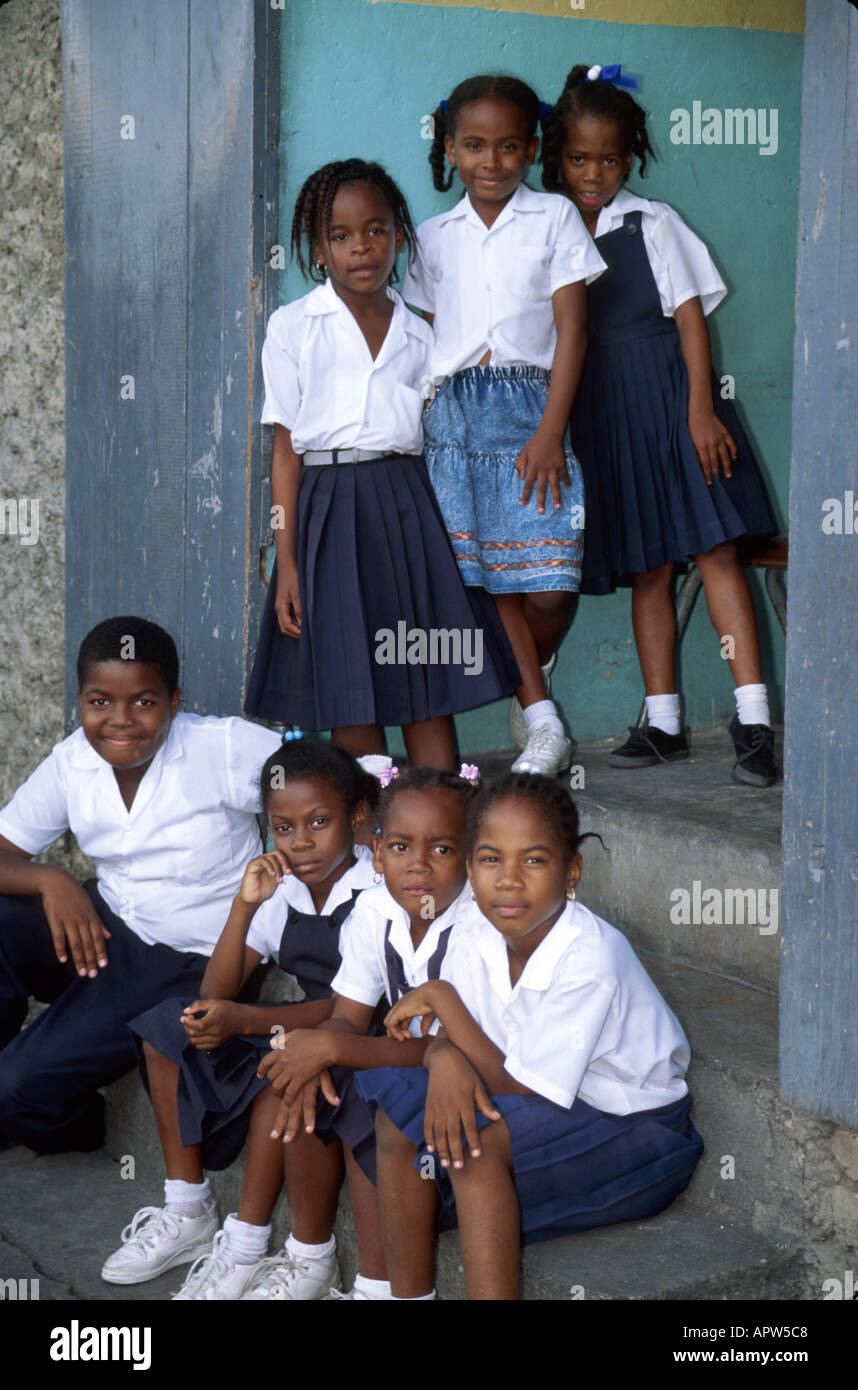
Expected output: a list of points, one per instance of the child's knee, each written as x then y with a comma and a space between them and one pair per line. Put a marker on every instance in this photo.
389, 1139
551, 604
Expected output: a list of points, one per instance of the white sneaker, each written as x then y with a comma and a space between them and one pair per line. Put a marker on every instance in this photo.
517, 726
156, 1240
217, 1276
284, 1278
335, 1294
545, 751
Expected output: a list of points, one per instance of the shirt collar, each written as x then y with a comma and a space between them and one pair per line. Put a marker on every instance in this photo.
358, 876
524, 199
623, 201
401, 932
539, 970
84, 758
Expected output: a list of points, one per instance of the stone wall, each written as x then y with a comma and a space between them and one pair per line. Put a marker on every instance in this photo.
32, 445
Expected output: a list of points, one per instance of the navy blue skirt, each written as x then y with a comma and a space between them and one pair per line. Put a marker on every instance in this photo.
647, 501
574, 1169
352, 1121
374, 559
215, 1090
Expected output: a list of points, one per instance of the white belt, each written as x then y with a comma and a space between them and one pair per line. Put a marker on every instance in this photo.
316, 457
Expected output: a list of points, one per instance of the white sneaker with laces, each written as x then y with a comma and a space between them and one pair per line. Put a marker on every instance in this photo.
283, 1278
217, 1277
336, 1294
517, 726
545, 751
156, 1240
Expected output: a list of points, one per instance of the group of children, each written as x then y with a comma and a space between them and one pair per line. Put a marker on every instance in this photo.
474, 1047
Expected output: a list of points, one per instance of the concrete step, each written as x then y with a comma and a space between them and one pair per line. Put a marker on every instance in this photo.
667, 828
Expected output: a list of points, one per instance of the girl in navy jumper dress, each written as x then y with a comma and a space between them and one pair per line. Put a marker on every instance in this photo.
669, 473
558, 1060
397, 938
200, 1058
367, 622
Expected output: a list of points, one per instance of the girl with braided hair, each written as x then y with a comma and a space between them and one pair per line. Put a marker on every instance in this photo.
361, 551
501, 276
669, 473
553, 1098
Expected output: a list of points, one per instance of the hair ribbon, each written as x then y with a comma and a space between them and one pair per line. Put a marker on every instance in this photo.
443, 105
613, 73
470, 772
545, 109
387, 775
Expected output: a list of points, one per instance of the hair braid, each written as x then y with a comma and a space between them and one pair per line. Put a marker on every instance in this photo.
314, 206
499, 86
604, 101
549, 797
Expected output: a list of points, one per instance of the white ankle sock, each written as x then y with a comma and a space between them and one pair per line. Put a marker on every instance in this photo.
663, 712
246, 1243
373, 1288
310, 1252
752, 704
422, 1298
543, 713
186, 1198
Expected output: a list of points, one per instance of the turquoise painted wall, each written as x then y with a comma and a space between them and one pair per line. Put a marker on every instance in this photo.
358, 79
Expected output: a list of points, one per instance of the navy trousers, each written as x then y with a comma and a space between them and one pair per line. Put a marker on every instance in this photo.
50, 1072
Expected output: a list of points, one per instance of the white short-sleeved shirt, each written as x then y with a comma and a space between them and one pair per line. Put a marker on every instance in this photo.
266, 929
681, 265
584, 1018
364, 975
490, 288
171, 865
322, 384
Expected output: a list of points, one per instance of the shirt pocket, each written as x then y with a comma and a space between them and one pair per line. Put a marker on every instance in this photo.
530, 277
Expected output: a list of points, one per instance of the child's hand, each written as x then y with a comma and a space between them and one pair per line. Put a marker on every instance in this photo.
75, 925
262, 876
417, 1003
543, 462
300, 1113
221, 1021
454, 1094
713, 443
287, 601
298, 1057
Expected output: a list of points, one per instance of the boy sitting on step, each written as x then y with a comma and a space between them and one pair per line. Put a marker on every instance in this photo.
165, 803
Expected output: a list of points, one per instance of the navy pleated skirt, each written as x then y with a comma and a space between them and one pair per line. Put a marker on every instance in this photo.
573, 1169
215, 1089
352, 1121
374, 558
646, 499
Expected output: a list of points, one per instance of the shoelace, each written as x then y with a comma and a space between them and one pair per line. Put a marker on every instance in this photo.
640, 739
155, 1222
540, 739
336, 1295
758, 735
275, 1270
207, 1269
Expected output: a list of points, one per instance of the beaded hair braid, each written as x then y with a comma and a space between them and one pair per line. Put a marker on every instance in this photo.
601, 99
311, 222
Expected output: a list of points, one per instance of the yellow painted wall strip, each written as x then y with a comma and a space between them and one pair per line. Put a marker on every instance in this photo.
784, 16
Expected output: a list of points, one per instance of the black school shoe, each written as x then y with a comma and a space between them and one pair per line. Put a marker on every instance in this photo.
646, 747
754, 746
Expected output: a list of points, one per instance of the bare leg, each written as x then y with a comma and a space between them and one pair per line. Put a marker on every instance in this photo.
731, 609
489, 1218
408, 1204
547, 615
181, 1161
313, 1176
358, 739
364, 1200
430, 743
654, 623
511, 611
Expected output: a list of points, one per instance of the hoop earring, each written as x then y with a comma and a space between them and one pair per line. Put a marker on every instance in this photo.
571, 896
321, 267
378, 878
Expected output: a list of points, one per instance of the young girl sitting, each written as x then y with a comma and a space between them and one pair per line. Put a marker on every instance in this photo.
558, 1058
200, 1062
669, 474
367, 622
397, 938
501, 276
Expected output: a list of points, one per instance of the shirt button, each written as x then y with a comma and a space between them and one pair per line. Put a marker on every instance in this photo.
366, 422
487, 286
293, 916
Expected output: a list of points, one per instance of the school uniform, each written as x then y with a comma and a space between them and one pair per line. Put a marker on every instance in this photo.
371, 549
167, 870
647, 500
381, 963
606, 1137
490, 289
215, 1089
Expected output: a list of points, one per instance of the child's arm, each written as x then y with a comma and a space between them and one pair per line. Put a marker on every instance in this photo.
712, 440
75, 925
438, 999
542, 460
285, 477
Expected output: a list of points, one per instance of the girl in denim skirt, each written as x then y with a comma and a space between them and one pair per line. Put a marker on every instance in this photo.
501, 276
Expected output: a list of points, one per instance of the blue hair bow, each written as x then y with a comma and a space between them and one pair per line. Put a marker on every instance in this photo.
545, 109
613, 73
443, 105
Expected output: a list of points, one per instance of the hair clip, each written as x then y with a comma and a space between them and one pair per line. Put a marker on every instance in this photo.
290, 734
545, 109
470, 772
443, 105
613, 73
387, 774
